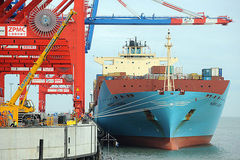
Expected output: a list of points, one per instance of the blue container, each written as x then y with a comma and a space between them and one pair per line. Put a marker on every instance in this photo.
171, 69
207, 78
206, 72
98, 75
109, 78
220, 72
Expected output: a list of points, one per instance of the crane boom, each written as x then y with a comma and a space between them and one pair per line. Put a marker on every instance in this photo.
40, 60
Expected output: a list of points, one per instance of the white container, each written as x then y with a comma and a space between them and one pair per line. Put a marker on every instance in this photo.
178, 70
215, 72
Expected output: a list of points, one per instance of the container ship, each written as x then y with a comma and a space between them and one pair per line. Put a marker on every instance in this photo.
142, 100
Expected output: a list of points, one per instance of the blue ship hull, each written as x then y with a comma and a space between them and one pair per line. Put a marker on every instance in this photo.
168, 121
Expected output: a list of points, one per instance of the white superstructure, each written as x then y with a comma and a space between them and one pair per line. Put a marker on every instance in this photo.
135, 59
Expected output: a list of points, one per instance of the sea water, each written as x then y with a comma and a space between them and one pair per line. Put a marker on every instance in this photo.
225, 145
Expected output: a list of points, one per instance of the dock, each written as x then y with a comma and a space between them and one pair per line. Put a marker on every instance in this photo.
58, 142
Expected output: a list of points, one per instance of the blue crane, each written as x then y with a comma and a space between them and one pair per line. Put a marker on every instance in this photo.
191, 19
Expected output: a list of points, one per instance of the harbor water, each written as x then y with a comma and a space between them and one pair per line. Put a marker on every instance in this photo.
224, 146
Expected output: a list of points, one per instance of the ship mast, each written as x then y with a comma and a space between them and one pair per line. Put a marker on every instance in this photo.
170, 86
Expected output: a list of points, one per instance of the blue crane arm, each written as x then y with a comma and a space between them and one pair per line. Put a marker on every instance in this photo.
142, 20
91, 26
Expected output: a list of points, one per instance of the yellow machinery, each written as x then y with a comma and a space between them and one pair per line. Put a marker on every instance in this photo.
10, 107
71, 122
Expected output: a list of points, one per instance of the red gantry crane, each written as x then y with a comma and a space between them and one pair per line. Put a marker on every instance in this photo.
25, 30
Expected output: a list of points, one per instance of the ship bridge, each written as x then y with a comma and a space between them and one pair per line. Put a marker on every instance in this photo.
135, 59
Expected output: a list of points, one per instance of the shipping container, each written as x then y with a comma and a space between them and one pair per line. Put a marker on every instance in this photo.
220, 72
217, 78
194, 76
117, 74
206, 72
158, 69
161, 78
207, 78
123, 74
109, 78
98, 75
197, 77
178, 76
178, 70
171, 69
215, 72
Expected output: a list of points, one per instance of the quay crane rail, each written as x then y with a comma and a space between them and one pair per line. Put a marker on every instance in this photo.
10, 107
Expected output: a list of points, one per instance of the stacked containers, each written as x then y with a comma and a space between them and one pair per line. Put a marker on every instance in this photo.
178, 72
161, 69
220, 72
207, 78
215, 72
109, 78
194, 76
98, 75
158, 69
207, 74
212, 73
171, 69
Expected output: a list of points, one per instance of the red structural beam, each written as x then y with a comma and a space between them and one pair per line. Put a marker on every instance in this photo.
2, 75
31, 41
78, 58
58, 91
41, 100
60, 5
50, 81
26, 10
5, 4
10, 13
43, 91
65, 7
45, 4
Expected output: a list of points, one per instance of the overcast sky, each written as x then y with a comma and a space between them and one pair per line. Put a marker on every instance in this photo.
196, 47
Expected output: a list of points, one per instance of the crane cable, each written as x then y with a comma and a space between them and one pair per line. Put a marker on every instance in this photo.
129, 9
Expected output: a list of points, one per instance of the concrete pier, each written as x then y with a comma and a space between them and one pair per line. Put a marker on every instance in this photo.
64, 142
